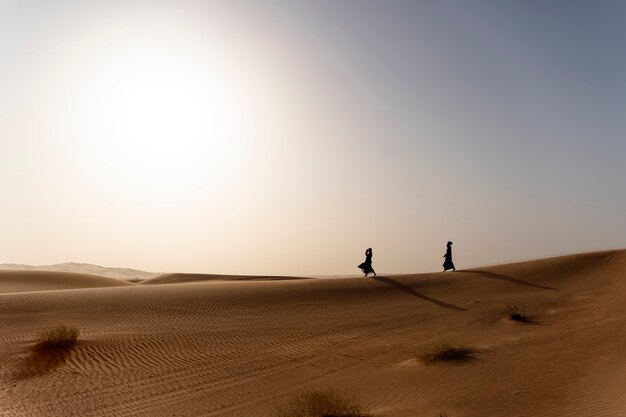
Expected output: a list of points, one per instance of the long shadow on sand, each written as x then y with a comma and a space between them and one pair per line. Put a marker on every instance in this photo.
414, 293
493, 275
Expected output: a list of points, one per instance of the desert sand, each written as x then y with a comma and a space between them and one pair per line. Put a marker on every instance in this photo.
190, 345
126, 274
26, 281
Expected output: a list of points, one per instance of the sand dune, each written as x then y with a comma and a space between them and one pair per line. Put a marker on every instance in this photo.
240, 348
181, 278
24, 281
83, 268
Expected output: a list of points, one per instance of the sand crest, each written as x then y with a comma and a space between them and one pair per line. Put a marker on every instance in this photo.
25, 281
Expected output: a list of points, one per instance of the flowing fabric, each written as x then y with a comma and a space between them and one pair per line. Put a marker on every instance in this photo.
448, 264
366, 266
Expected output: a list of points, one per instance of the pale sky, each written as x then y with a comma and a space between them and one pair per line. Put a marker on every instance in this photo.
287, 137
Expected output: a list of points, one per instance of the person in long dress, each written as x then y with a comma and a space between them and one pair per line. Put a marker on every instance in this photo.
448, 264
366, 266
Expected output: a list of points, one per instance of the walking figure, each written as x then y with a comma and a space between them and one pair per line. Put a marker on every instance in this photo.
366, 266
448, 264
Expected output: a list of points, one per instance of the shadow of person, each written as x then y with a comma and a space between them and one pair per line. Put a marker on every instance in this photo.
414, 293
493, 275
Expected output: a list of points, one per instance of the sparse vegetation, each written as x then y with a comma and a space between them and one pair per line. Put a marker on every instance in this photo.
447, 352
515, 314
57, 338
323, 403
50, 351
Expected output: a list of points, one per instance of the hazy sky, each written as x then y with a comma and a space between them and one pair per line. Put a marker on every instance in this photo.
287, 137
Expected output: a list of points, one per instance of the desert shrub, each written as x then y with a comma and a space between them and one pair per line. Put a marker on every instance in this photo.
51, 350
446, 352
57, 338
515, 314
323, 403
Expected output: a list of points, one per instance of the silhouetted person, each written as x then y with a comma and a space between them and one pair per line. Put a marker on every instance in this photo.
366, 266
447, 263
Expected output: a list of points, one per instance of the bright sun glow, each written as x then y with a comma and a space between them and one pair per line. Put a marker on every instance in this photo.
161, 118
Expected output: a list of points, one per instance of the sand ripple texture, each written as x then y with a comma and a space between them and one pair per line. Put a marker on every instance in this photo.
241, 348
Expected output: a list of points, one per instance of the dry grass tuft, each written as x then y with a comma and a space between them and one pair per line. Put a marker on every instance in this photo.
57, 338
515, 314
51, 350
447, 352
323, 403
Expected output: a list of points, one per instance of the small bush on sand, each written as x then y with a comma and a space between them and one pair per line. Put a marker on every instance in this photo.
57, 338
323, 403
446, 352
51, 350
515, 314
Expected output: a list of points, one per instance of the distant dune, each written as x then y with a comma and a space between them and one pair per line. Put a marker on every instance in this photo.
24, 281
82, 268
240, 347
180, 278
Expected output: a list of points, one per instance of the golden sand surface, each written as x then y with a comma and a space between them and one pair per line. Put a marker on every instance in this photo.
186, 346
